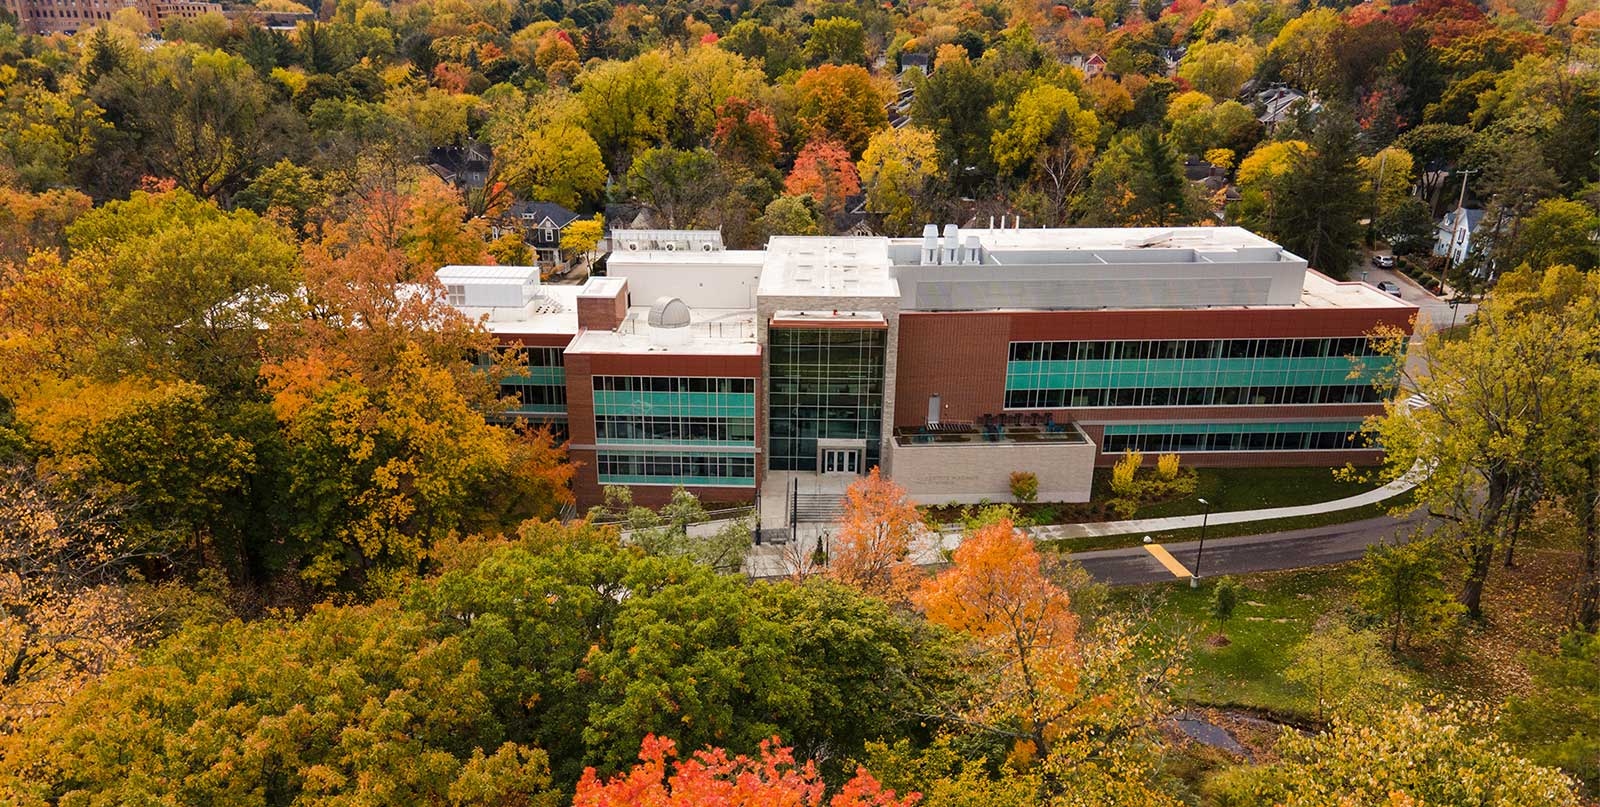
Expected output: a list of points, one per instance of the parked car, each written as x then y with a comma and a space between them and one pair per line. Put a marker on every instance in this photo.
1388, 287
1383, 261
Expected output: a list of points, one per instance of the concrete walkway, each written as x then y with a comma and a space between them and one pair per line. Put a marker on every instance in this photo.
1054, 532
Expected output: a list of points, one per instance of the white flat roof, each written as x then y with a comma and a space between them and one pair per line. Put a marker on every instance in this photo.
508, 275
1321, 291
712, 332
601, 287
1112, 238
554, 311
827, 266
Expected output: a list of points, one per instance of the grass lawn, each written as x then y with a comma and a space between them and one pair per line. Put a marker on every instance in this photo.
1256, 488
1526, 610
1226, 488
1275, 612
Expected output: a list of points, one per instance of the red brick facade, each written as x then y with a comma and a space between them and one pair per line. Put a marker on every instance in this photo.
580, 371
961, 357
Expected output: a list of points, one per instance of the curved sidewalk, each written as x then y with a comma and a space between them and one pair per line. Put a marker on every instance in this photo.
1053, 532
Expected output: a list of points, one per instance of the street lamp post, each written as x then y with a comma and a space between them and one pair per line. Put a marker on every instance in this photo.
1194, 579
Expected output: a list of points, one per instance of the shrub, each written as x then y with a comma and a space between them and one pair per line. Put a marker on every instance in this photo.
1224, 597
1167, 466
1024, 486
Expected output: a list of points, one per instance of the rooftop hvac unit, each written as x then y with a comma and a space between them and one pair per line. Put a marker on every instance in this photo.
671, 246
706, 247
633, 246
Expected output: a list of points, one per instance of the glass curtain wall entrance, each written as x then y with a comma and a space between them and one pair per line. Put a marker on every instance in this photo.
824, 383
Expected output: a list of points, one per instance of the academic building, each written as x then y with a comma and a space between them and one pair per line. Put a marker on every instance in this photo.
949, 361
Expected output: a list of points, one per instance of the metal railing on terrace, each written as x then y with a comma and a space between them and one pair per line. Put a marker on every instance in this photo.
993, 431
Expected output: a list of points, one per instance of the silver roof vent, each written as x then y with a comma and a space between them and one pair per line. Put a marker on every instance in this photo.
669, 312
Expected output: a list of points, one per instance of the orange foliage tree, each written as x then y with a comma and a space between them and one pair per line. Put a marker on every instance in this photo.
841, 102
874, 537
823, 169
997, 593
711, 776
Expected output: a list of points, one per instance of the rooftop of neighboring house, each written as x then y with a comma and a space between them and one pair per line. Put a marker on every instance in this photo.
539, 212
1473, 214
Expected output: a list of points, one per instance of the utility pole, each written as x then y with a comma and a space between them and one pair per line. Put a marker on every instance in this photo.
1377, 190
1450, 254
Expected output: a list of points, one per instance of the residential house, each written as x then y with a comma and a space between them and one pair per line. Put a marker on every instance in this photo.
465, 167
1091, 65
540, 225
1453, 235
916, 61
1279, 103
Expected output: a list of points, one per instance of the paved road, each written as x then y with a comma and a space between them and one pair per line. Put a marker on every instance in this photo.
1294, 549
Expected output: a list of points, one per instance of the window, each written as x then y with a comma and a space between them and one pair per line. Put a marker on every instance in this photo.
1196, 372
455, 294
1340, 435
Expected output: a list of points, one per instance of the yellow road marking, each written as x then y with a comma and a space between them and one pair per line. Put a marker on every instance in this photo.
1160, 552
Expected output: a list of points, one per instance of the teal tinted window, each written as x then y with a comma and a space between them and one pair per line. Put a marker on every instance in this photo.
676, 468
823, 384
636, 410
1195, 372
539, 384
1326, 435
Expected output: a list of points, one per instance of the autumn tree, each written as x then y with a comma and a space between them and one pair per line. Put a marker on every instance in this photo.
713, 776
997, 593
626, 105
557, 163
842, 103
68, 610
1409, 755
1343, 672
954, 103
824, 172
872, 541
377, 475
1218, 68
1509, 410
836, 40
363, 703
745, 133
1049, 138
896, 170
30, 221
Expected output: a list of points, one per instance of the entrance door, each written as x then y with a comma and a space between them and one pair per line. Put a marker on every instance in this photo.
841, 461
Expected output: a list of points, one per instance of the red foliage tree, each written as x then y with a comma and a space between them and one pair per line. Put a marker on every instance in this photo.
823, 169
745, 133
711, 776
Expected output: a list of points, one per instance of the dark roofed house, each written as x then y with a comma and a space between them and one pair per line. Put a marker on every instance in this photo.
539, 223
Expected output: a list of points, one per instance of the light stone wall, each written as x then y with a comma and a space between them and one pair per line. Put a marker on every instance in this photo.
767, 305
968, 473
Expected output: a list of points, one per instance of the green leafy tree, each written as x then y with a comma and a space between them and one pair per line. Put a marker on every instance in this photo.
679, 529
1139, 183
1510, 411
836, 40
1315, 205
679, 185
175, 458
626, 106
1220, 68
790, 215
1555, 721
178, 288
1343, 671
1224, 598
1555, 231
954, 103
1403, 586
202, 118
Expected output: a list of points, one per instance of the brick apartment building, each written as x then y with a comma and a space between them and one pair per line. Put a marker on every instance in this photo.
71, 16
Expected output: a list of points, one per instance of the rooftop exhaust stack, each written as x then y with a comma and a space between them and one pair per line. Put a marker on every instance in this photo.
970, 254
930, 244
952, 243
